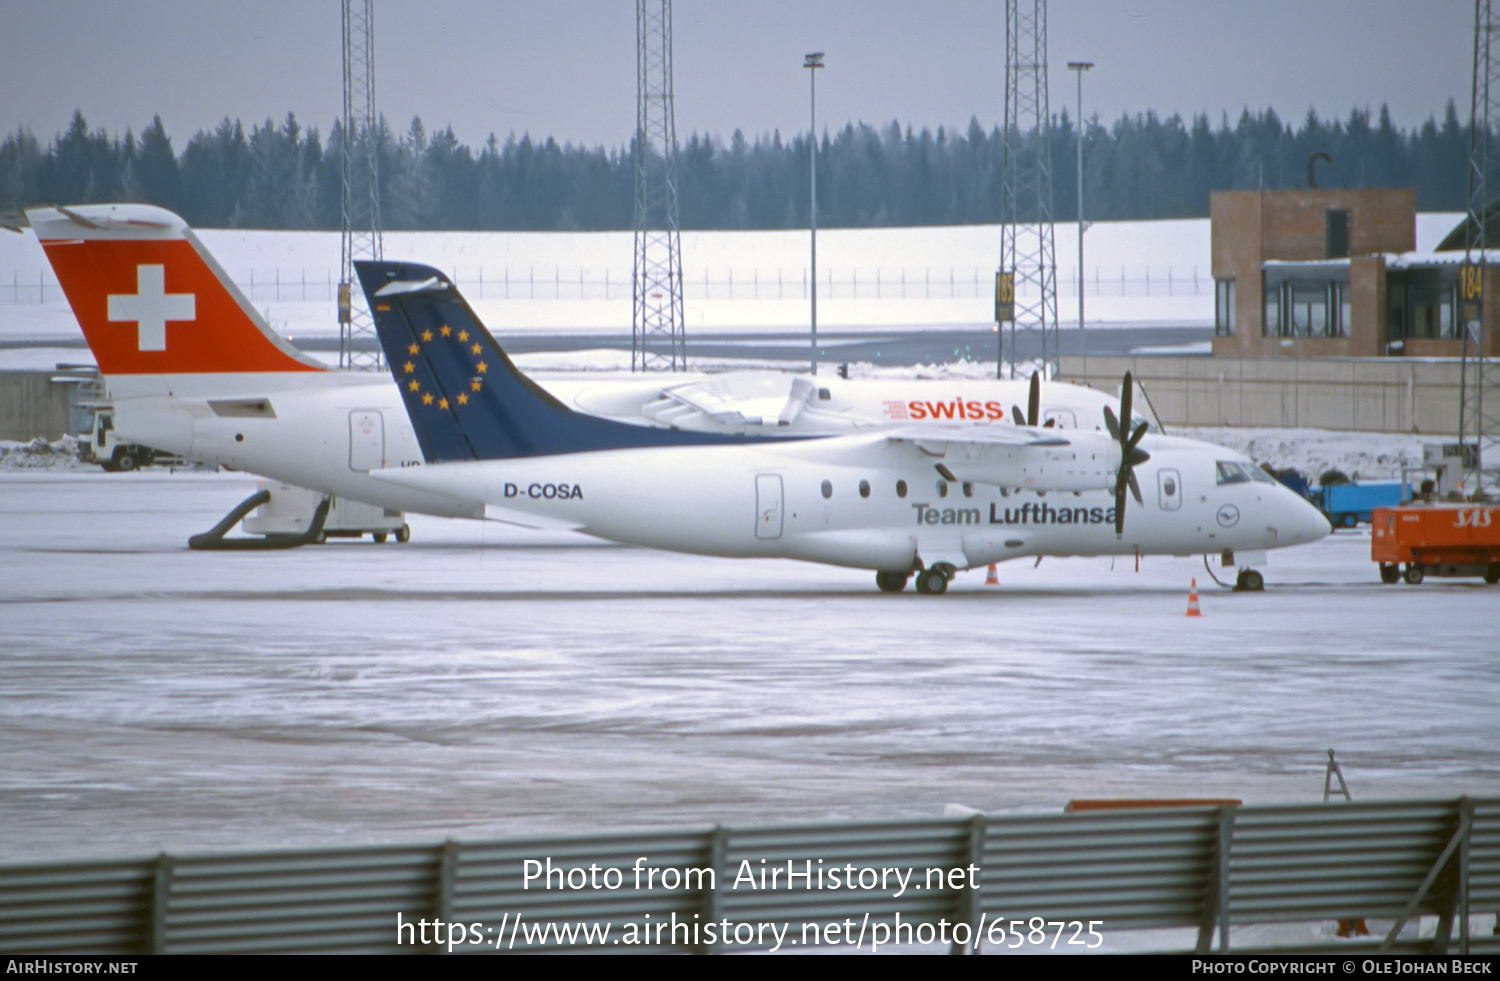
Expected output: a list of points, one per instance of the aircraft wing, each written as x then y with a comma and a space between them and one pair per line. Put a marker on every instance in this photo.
735, 401
978, 435
1016, 456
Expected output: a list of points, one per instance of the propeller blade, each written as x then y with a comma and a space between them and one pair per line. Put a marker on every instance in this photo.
1015, 411
1131, 455
1034, 400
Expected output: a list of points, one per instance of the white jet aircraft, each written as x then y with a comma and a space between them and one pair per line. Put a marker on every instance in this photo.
194, 370
910, 499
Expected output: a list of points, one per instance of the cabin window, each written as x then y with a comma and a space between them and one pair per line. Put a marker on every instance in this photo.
864, 488
900, 488
827, 488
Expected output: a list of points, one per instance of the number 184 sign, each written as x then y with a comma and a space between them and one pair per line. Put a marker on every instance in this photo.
1470, 292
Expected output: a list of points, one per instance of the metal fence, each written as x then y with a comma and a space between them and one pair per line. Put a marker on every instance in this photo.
722, 283
1021, 882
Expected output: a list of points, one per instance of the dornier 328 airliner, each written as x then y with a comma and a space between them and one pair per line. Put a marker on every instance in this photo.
902, 501
192, 368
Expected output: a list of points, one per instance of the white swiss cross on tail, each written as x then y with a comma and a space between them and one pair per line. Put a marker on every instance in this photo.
151, 306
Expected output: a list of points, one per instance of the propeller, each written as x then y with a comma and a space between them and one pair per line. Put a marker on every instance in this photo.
1130, 455
1033, 406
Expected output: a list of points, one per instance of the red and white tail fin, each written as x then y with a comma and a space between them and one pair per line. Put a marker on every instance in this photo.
151, 300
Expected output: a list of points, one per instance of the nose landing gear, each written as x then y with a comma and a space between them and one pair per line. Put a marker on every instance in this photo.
1249, 581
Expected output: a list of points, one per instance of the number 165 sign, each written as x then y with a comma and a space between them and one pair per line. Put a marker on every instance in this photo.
1005, 296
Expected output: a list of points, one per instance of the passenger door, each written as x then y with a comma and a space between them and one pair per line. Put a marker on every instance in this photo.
366, 440
768, 506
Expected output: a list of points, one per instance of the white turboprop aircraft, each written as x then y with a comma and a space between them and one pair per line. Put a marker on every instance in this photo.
910, 499
194, 370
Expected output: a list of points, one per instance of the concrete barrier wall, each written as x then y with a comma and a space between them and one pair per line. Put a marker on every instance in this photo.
32, 405
1358, 394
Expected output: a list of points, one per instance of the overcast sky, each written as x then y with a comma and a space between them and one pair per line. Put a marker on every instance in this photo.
567, 68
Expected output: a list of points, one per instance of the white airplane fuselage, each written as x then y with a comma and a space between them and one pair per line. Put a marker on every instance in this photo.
870, 503
327, 430
324, 432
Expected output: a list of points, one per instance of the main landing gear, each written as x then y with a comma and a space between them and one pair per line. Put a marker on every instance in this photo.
932, 581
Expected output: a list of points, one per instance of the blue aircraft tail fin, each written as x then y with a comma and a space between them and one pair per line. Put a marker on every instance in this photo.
466, 399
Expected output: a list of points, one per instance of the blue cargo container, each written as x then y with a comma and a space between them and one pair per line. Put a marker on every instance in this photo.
1349, 504
1346, 504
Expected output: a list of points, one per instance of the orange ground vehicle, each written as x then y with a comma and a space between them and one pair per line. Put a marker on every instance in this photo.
1438, 539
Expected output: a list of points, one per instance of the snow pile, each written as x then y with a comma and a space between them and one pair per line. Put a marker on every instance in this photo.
1360, 456
39, 454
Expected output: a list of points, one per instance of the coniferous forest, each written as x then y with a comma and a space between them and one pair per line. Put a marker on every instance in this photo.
288, 176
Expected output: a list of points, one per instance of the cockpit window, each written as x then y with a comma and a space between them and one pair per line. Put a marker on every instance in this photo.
1235, 472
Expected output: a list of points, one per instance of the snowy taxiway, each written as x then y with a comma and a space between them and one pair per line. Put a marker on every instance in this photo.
483, 681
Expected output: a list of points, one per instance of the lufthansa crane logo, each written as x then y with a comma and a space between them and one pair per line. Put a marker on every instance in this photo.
1228, 516
151, 306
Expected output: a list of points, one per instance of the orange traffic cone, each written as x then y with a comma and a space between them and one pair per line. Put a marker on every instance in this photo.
1353, 928
1192, 609
993, 578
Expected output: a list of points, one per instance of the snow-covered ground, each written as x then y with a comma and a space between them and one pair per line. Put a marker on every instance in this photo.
480, 681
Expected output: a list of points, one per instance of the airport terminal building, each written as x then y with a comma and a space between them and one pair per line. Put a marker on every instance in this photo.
1334, 273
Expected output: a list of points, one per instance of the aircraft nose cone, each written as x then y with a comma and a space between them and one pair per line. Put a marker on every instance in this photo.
1301, 523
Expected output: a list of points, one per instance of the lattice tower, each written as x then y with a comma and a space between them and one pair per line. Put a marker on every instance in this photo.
358, 346
1479, 414
658, 341
1026, 236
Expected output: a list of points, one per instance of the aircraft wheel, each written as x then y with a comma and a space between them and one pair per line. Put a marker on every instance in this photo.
932, 582
1413, 574
1250, 580
403, 534
891, 582
1389, 573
